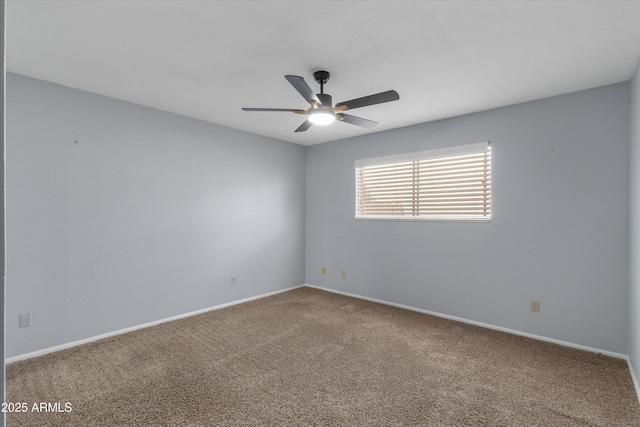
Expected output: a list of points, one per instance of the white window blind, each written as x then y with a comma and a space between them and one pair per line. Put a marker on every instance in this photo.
452, 184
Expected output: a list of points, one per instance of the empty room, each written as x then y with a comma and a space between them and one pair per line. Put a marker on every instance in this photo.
198, 231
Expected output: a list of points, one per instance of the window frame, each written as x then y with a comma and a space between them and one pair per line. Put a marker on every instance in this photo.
428, 155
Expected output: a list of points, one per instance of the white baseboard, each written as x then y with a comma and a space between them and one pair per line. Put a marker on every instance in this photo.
484, 325
633, 377
406, 307
142, 326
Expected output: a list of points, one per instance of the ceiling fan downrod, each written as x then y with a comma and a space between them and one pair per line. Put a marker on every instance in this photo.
321, 78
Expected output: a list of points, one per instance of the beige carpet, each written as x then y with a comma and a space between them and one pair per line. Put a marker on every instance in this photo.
309, 357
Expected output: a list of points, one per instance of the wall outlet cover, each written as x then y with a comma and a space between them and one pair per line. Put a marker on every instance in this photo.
25, 320
535, 306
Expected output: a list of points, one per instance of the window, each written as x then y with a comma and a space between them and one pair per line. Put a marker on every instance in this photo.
451, 184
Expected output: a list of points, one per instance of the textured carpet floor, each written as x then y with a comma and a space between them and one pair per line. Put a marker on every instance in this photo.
309, 357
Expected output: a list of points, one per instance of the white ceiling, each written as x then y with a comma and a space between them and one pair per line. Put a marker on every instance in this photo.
207, 59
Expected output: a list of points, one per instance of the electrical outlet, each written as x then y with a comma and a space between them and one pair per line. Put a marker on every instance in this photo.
344, 274
535, 306
233, 280
324, 270
25, 320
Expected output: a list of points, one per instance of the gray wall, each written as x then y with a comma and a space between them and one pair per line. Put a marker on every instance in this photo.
118, 215
634, 246
559, 232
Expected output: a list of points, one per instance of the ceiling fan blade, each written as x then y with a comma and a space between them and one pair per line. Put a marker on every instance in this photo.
304, 126
358, 121
303, 88
275, 109
378, 98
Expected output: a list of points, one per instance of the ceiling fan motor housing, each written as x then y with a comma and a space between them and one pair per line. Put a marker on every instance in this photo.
325, 99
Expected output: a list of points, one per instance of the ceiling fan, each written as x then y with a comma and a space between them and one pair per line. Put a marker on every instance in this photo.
321, 112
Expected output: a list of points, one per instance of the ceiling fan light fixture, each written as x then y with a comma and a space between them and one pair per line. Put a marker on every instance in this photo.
322, 117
